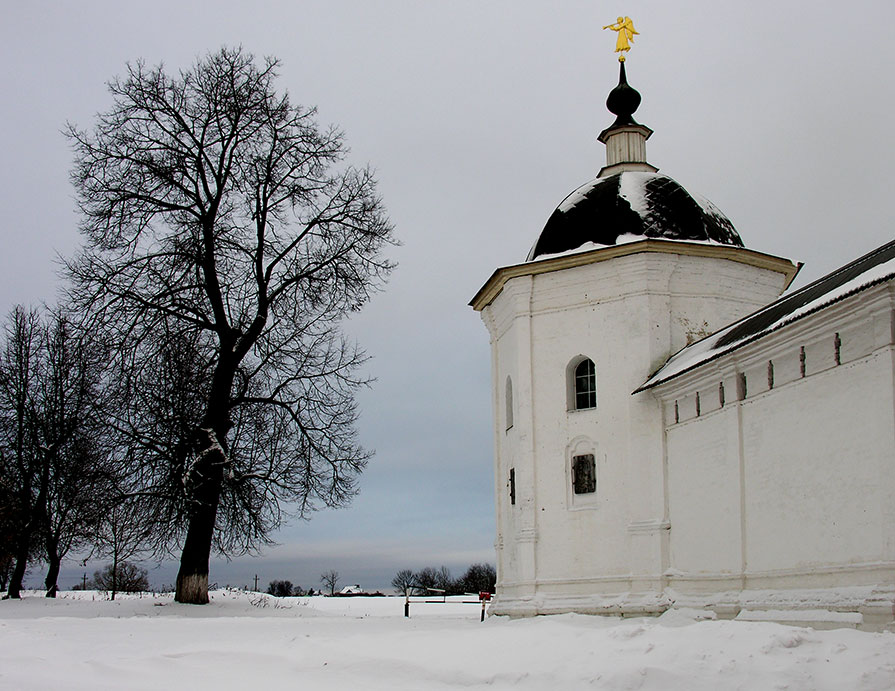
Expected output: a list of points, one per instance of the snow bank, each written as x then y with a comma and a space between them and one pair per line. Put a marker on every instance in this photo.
241, 640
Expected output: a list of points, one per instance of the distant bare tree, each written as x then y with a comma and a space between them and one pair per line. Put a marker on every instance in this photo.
426, 578
403, 581
444, 581
122, 534
282, 589
18, 384
51, 432
214, 215
125, 577
330, 579
8, 525
479, 578
70, 429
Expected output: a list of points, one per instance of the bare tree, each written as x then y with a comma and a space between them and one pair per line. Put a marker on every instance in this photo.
8, 525
404, 581
77, 498
426, 578
479, 578
444, 581
51, 438
123, 578
69, 428
330, 579
156, 404
21, 467
122, 534
283, 589
214, 213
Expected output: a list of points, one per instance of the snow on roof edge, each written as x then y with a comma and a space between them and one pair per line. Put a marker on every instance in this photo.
834, 295
625, 239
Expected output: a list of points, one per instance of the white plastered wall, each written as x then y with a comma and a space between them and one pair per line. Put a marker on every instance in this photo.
792, 488
627, 314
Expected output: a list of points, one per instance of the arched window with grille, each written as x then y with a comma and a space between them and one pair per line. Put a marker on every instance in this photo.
584, 385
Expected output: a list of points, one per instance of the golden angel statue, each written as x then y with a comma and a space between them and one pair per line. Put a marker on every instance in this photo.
626, 31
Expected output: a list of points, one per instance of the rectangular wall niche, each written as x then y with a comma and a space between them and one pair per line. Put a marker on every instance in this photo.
584, 474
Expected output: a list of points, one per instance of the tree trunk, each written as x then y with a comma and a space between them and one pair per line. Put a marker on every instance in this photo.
18, 575
53, 560
114, 575
21, 555
52, 576
207, 475
192, 579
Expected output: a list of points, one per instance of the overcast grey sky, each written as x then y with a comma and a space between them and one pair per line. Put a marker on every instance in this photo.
479, 117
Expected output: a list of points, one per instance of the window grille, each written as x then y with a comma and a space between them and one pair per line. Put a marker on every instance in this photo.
585, 385
584, 474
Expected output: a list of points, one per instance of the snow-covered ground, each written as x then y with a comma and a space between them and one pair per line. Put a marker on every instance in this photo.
250, 641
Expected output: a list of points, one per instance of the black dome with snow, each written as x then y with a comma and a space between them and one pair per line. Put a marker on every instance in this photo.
628, 206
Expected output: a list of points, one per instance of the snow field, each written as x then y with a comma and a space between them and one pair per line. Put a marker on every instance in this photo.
250, 641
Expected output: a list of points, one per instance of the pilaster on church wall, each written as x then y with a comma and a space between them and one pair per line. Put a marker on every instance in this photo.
510, 326
503, 564
887, 463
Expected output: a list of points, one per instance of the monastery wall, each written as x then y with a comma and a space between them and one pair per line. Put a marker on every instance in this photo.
781, 458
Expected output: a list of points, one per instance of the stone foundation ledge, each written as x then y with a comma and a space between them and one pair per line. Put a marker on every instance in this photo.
867, 608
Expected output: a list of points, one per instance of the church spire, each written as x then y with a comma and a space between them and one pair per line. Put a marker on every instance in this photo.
625, 139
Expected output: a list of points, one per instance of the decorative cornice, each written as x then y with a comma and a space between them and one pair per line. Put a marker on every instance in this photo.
626, 166
494, 285
634, 127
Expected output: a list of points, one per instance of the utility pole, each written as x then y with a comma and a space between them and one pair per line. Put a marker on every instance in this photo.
84, 582
256, 582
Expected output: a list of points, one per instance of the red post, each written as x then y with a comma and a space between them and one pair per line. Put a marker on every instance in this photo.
484, 596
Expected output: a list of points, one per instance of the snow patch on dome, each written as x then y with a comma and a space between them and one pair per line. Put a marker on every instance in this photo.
578, 195
632, 188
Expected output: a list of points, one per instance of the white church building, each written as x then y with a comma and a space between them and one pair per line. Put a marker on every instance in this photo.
670, 432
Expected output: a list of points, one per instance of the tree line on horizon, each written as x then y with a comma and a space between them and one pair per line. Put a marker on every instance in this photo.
192, 389
476, 579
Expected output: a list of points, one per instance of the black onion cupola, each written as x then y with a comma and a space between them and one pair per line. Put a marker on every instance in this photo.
629, 199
